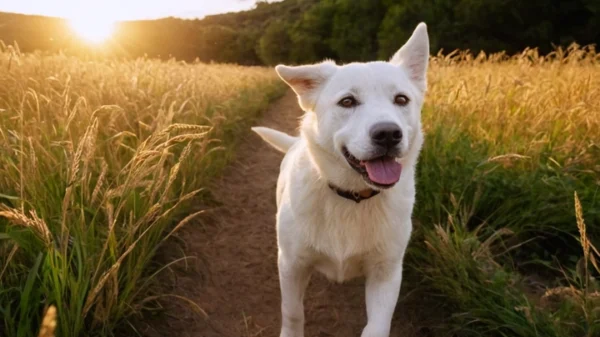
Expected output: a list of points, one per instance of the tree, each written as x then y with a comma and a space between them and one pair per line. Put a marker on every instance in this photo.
306, 31
311, 33
355, 26
215, 43
274, 45
392, 32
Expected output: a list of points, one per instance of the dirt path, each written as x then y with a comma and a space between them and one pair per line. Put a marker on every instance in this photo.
237, 245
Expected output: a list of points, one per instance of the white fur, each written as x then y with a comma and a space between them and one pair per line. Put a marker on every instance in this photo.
316, 228
279, 140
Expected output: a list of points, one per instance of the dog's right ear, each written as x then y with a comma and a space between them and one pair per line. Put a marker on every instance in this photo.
414, 56
306, 81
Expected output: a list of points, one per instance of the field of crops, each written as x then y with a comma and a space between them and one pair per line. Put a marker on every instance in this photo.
100, 160
509, 143
97, 159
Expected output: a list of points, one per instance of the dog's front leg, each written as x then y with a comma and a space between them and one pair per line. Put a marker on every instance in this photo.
293, 279
382, 290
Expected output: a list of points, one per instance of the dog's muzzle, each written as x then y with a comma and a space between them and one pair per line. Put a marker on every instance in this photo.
381, 170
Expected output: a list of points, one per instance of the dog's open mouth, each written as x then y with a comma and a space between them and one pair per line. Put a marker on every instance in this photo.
382, 171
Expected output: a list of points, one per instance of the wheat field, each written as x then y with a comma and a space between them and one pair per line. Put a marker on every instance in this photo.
96, 160
98, 157
512, 146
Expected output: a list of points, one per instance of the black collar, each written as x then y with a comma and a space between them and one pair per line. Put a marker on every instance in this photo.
354, 196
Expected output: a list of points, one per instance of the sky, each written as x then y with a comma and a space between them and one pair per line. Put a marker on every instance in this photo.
124, 9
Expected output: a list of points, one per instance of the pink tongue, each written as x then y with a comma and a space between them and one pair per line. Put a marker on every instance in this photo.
383, 170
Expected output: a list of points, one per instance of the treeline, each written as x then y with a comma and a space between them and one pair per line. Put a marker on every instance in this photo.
302, 31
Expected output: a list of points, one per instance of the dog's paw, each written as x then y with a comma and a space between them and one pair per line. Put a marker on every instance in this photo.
293, 331
291, 334
376, 331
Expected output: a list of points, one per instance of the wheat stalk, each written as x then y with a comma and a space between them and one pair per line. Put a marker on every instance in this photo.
48, 323
583, 237
100, 182
34, 222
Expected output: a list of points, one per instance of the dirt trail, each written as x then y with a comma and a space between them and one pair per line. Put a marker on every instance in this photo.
240, 292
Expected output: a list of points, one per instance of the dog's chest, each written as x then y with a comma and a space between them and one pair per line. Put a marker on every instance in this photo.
340, 270
343, 237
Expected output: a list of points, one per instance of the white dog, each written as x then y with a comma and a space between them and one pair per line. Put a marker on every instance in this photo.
346, 189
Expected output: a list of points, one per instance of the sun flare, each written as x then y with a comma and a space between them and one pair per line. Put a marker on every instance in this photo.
94, 30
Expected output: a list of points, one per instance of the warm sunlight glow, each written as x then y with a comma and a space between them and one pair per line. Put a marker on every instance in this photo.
94, 30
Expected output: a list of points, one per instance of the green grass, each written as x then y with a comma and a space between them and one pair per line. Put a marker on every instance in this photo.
97, 163
509, 141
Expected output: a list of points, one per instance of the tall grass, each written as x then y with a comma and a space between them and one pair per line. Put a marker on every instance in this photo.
509, 142
520, 131
96, 161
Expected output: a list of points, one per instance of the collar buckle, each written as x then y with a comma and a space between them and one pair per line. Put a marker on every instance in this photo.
352, 195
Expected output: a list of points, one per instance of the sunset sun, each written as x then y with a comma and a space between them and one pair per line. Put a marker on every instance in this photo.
93, 30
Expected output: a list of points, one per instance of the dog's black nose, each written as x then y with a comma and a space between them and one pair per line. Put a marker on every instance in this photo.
386, 134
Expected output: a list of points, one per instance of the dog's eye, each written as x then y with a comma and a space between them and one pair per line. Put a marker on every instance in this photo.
348, 102
401, 100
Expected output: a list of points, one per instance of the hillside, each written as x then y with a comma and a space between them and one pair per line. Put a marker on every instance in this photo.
300, 31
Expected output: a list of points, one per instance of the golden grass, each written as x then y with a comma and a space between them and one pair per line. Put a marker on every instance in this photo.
508, 142
97, 163
48, 323
519, 103
581, 292
99, 159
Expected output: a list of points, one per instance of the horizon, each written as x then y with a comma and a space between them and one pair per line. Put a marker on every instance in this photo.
133, 10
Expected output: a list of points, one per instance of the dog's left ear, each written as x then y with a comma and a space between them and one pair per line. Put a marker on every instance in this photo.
307, 80
414, 56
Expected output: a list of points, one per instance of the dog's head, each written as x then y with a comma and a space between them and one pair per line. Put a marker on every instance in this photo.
365, 117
